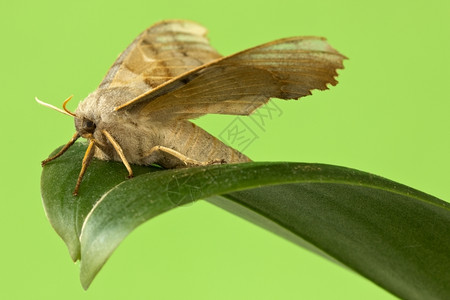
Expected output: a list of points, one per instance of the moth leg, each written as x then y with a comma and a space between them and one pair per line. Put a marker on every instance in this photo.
181, 157
64, 149
119, 151
86, 160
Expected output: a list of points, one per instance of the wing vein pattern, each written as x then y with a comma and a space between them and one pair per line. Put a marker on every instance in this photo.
184, 77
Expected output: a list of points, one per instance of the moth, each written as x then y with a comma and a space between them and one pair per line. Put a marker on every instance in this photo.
170, 74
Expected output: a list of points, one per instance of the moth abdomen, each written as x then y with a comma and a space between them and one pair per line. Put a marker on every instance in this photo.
197, 144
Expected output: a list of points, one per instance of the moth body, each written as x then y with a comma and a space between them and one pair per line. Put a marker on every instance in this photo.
138, 135
170, 74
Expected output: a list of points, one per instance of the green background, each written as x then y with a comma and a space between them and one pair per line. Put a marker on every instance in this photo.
388, 116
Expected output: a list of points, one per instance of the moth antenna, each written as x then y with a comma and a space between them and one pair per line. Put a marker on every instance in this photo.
64, 106
55, 108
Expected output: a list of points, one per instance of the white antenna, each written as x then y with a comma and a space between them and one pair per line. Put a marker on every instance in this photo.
65, 111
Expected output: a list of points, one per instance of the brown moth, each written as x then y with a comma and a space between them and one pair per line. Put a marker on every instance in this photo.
170, 74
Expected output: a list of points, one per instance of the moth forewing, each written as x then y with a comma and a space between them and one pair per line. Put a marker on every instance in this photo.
298, 63
169, 74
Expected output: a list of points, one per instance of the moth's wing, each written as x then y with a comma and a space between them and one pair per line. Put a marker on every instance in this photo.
160, 53
238, 84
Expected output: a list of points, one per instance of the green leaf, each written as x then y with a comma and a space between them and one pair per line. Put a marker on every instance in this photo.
67, 213
394, 235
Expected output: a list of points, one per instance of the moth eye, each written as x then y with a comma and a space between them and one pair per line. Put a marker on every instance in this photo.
88, 126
